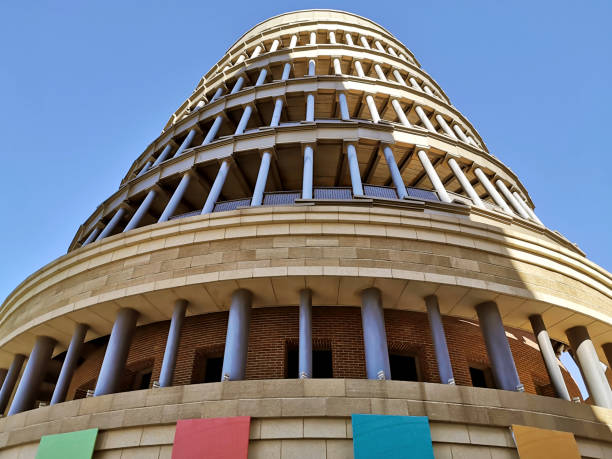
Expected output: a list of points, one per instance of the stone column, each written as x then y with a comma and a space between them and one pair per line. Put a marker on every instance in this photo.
433, 176
526, 208
91, 237
310, 107
293, 41
70, 363
445, 370
445, 127
216, 188
593, 373
372, 108
305, 345
286, 71
176, 198
344, 110
502, 186
218, 93
364, 42
337, 66
492, 191
381, 75
143, 208
172, 343
498, 348
549, 357
116, 353
311, 67
460, 133
349, 39
419, 111
465, 183
400, 113
237, 339
374, 335
414, 83
313, 38
396, 175
274, 46
186, 143
145, 168
214, 129
256, 51
398, 77
33, 375
163, 155
359, 69
261, 79
9, 381
262, 178
238, 85
353, 163
278, 110
307, 173
379, 46
111, 224
244, 120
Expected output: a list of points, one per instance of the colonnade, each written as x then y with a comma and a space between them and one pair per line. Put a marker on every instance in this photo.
236, 345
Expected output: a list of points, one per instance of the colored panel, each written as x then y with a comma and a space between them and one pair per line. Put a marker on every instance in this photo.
215, 438
73, 445
391, 437
533, 443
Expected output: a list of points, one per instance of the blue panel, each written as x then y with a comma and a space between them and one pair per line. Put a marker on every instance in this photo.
391, 437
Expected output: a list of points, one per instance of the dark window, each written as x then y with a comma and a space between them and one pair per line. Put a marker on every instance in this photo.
142, 379
214, 367
206, 367
403, 367
292, 363
322, 363
481, 377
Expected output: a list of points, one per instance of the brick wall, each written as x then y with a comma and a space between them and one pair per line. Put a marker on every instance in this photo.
339, 328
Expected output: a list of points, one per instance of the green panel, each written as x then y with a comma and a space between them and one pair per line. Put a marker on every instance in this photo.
71, 445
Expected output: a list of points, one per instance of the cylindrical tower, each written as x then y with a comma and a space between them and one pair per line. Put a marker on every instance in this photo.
317, 232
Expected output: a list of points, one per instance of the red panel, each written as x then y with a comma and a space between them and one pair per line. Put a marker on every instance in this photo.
215, 438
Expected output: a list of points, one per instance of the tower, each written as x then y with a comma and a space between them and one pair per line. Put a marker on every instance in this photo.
317, 232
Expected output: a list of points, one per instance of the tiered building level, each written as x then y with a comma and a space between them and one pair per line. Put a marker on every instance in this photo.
316, 214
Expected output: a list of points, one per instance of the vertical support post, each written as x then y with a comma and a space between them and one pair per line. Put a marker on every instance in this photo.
186, 143
419, 111
398, 77
353, 162
379, 73
372, 107
374, 335
238, 85
525, 207
492, 191
143, 208
506, 192
262, 178
293, 41
465, 183
163, 155
307, 172
261, 79
116, 352
286, 71
216, 189
400, 113
498, 349
305, 344
460, 133
414, 83
237, 339
70, 363
359, 69
172, 343
212, 132
244, 120
145, 168
33, 375
278, 110
344, 110
310, 107
175, 200
91, 237
445, 127
593, 373
218, 93
111, 224
9, 381
433, 176
274, 46
396, 175
445, 369
311, 67
549, 357
337, 66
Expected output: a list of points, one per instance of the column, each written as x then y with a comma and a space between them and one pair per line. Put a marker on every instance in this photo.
381, 75
172, 343
364, 42
445, 370
313, 38
175, 200
116, 352
398, 77
310, 107
305, 344
502, 186
278, 110
256, 51
372, 108
311, 67
238, 85
70, 363
218, 93
262, 178
216, 188
465, 183
549, 357
414, 83
379, 46
433, 177
351, 153
212, 132
374, 335
349, 39
110, 226
240, 59
498, 349
460, 133
492, 191
396, 175
92, 236
391, 51
344, 110
143, 208
261, 79
286, 71
419, 111
332, 37
145, 168
163, 155
9, 381
359, 69
274, 46
33, 375
337, 66
244, 119
526, 208
307, 173
400, 113
237, 338
593, 373
186, 143
445, 127
428, 91
293, 41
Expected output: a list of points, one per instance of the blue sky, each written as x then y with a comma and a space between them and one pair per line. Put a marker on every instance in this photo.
86, 86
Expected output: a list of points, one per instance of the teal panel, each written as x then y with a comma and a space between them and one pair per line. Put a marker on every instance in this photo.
391, 437
71, 445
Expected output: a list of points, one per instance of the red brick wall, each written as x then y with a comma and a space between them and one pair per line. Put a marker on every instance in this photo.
273, 329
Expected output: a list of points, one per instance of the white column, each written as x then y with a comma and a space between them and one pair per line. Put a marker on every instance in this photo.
240, 59
400, 113
392, 51
332, 37
218, 93
364, 42
428, 91
414, 83
175, 200
163, 155
145, 168
311, 67
110, 226
460, 133
212, 132
310, 107
433, 176
262, 77
337, 66
527, 209
216, 189
242, 124
372, 108
492, 191
359, 69
286, 71
186, 143
396, 175
307, 173
344, 111
274, 46
313, 38
419, 111
472, 141
353, 162
398, 77
349, 39
465, 183
445, 126
381, 75
293, 42
91, 237
262, 178
278, 109
506, 192
402, 57
143, 208
238, 85
380, 47
256, 51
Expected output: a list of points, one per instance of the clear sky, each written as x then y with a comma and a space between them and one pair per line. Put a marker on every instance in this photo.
86, 86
